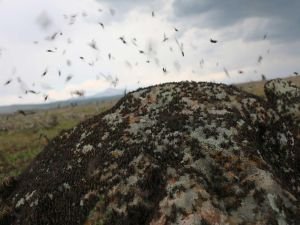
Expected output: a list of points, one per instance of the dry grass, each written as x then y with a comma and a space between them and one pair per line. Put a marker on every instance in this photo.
257, 87
23, 137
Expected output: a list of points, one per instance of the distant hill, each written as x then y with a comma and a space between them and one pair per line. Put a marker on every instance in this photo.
255, 87
44, 106
109, 92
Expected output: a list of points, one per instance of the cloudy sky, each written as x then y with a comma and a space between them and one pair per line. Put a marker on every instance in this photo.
63, 39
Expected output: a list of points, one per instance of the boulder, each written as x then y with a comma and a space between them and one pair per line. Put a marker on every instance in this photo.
175, 153
285, 98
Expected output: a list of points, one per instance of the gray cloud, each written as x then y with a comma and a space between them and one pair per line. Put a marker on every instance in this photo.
122, 7
125, 4
233, 24
283, 16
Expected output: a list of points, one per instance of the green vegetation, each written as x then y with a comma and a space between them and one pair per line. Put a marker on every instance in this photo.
23, 137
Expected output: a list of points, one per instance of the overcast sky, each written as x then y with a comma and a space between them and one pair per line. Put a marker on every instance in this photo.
253, 38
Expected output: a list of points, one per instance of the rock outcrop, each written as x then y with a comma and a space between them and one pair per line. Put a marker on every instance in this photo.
176, 153
285, 98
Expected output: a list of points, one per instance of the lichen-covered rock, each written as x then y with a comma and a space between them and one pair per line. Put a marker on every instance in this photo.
176, 153
285, 98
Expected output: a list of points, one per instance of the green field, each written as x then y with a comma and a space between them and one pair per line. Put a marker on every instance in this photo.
23, 137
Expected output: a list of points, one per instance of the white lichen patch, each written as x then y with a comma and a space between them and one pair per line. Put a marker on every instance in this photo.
131, 180
248, 101
204, 167
159, 148
183, 181
105, 136
187, 157
28, 196
34, 203
134, 128
180, 195
108, 172
69, 167
186, 200
87, 148
281, 218
84, 150
89, 194
282, 139
262, 179
273, 205
215, 141
84, 135
66, 186
192, 104
171, 172
20, 202
221, 95
217, 112
50, 196
113, 119
246, 209
240, 123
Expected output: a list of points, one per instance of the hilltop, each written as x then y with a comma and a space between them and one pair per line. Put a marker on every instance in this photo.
176, 153
23, 137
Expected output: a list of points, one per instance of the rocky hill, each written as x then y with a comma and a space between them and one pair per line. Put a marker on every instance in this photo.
176, 153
